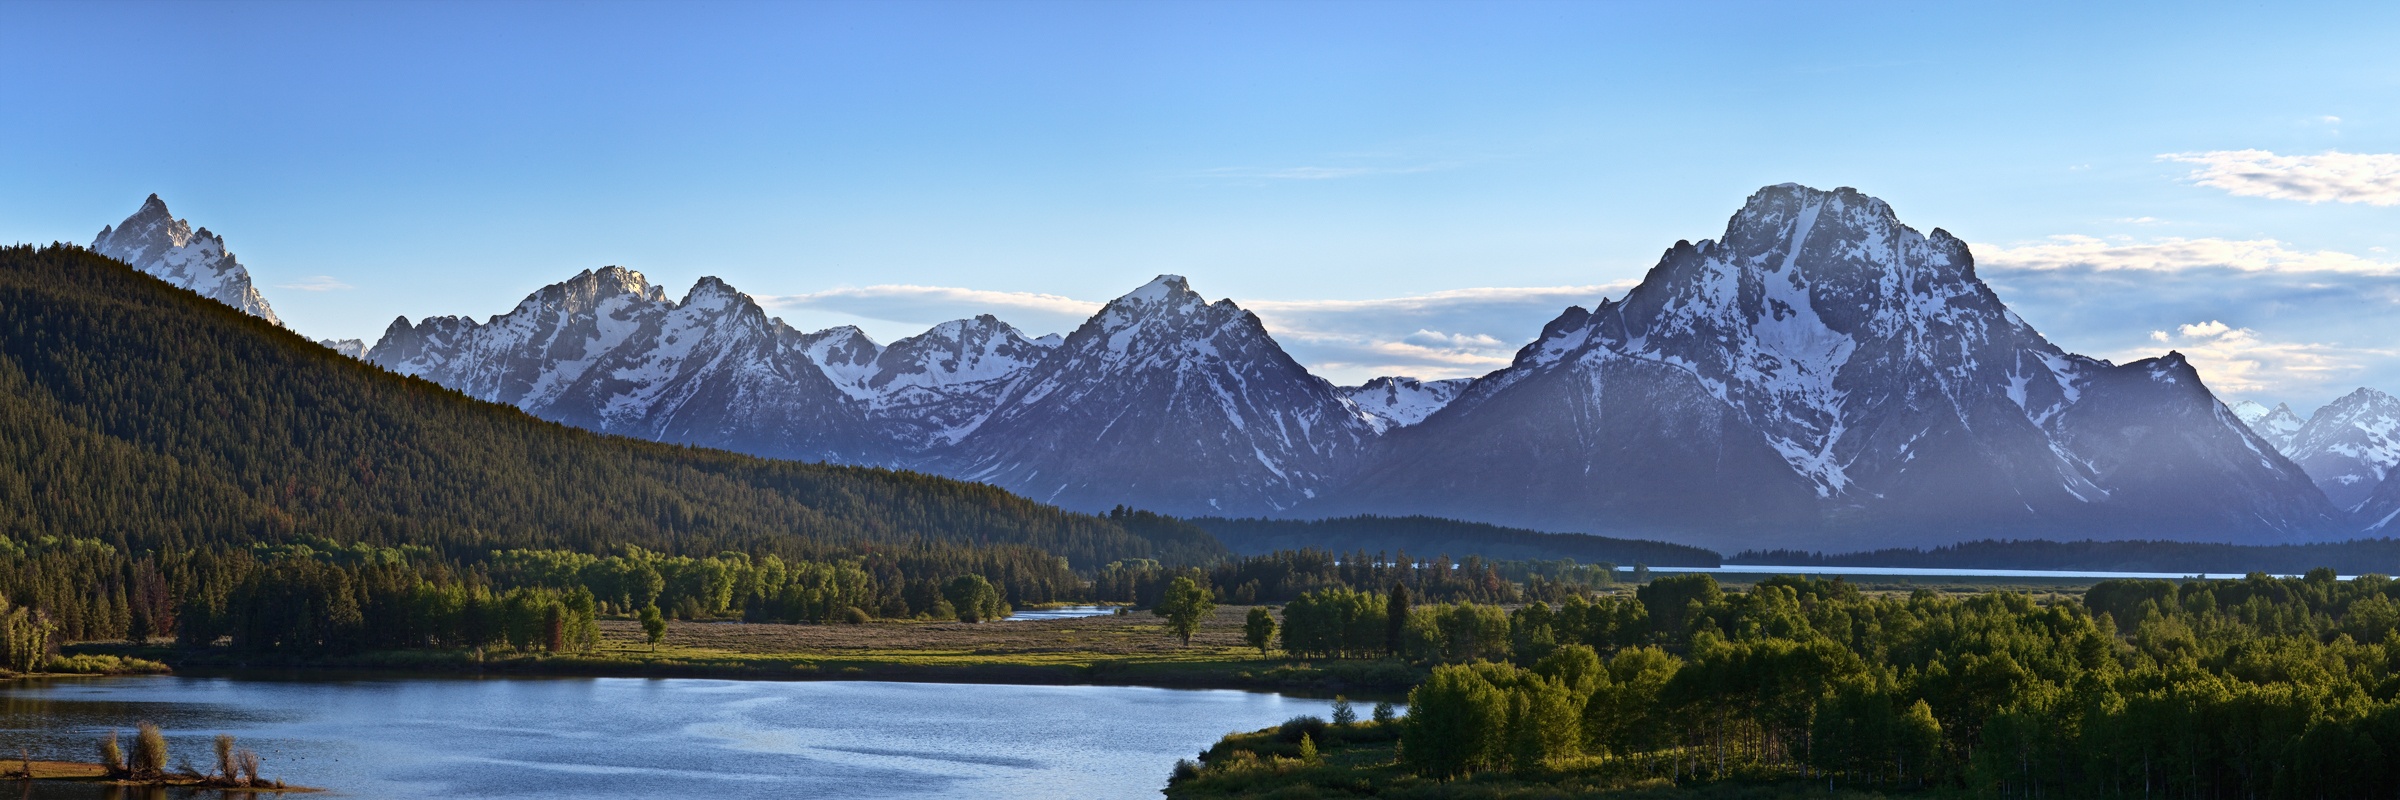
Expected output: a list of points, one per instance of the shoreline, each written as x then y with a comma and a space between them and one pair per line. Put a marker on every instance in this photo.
1300, 678
95, 773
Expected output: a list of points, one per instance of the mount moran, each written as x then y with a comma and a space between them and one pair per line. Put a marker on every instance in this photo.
1820, 376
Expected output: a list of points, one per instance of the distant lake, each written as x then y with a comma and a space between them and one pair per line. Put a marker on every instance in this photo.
652, 738
1944, 572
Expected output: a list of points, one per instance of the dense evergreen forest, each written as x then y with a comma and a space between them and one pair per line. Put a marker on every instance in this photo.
2259, 687
2190, 558
1371, 533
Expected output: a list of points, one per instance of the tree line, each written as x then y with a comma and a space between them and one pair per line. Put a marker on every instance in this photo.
337, 598
2258, 687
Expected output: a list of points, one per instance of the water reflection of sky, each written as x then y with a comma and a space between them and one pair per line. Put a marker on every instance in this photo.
627, 738
1061, 612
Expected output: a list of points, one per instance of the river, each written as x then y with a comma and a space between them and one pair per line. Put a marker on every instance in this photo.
652, 738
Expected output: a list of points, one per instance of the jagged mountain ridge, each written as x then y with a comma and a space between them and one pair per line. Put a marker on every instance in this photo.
1400, 401
2350, 446
608, 351
354, 348
1819, 371
1823, 371
154, 241
1165, 398
2276, 425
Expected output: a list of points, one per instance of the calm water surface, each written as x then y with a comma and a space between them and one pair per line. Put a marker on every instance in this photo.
1946, 572
1061, 612
642, 738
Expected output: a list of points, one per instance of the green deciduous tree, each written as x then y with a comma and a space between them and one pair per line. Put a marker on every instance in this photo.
1258, 629
1184, 606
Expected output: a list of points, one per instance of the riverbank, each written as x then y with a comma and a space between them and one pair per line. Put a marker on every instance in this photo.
94, 773
1111, 650
1362, 760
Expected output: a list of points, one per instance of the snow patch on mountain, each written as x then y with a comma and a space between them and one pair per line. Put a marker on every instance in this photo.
1398, 402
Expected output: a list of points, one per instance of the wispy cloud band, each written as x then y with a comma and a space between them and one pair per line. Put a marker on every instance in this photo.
2333, 176
1447, 334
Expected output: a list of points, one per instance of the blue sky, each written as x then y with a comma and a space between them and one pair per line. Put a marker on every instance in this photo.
1407, 188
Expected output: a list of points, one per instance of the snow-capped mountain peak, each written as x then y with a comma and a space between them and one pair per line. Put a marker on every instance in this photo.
1823, 366
958, 352
2350, 445
845, 353
1170, 401
154, 241
354, 348
1398, 401
2276, 425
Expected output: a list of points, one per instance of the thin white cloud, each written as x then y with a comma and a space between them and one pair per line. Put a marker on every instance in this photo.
2240, 361
927, 305
2333, 176
2173, 255
316, 283
1446, 334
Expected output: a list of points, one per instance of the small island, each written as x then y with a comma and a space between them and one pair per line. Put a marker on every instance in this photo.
146, 765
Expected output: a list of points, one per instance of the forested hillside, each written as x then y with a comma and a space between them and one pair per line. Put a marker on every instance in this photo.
144, 416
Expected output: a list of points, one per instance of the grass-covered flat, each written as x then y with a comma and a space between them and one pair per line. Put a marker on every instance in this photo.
1131, 649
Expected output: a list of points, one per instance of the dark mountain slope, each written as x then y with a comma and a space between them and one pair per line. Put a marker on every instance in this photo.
145, 415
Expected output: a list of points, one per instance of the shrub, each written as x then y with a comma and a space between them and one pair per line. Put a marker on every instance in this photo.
112, 756
225, 764
249, 764
1300, 727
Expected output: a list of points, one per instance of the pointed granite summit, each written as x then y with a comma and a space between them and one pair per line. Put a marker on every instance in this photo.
1823, 375
2349, 446
1168, 402
154, 241
607, 351
2276, 425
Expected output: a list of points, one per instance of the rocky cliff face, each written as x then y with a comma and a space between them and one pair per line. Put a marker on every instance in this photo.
607, 351
1166, 401
2349, 446
154, 241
